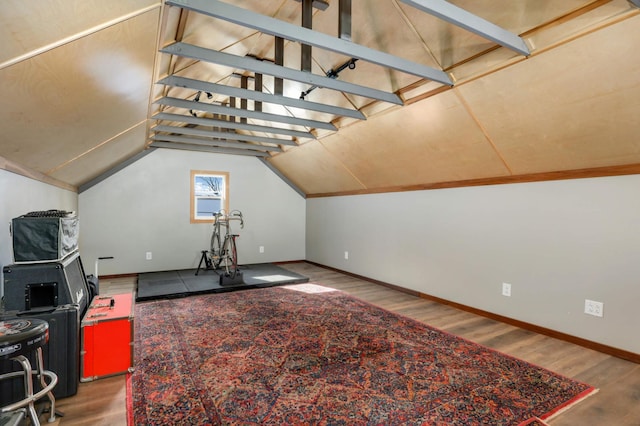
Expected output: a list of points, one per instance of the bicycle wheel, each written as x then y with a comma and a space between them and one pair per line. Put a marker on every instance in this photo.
216, 246
232, 257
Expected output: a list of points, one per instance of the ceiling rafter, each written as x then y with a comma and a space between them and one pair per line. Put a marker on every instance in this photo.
213, 142
239, 112
203, 148
259, 96
276, 27
467, 20
217, 134
263, 67
226, 124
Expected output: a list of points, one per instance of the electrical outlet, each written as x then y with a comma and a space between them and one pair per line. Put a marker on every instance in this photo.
346, 255
149, 255
506, 289
594, 308
261, 249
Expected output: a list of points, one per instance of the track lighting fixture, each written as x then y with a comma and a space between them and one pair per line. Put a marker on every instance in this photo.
332, 73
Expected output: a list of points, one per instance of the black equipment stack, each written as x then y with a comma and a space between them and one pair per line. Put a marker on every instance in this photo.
47, 281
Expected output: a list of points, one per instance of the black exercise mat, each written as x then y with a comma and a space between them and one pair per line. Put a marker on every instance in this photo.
181, 283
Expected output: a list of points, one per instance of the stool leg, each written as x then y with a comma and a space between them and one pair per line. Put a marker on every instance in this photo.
26, 366
52, 399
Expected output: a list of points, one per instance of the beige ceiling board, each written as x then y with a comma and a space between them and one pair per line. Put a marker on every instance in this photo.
570, 24
68, 100
21, 170
102, 158
432, 140
28, 27
313, 169
572, 107
585, 20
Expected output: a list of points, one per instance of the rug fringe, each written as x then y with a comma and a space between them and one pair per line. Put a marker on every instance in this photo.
570, 404
534, 421
128, 381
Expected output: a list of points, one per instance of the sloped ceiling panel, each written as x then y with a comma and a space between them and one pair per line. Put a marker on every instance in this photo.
88, 84
429, 141
103, 157
27, 27
314, 170
573, 107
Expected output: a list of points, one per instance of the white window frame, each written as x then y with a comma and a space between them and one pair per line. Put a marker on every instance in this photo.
198, 192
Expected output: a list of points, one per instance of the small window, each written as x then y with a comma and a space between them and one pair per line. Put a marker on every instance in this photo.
209, 194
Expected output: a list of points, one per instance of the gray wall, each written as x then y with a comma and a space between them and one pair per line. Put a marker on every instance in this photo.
20, 195
145, 208
557, 243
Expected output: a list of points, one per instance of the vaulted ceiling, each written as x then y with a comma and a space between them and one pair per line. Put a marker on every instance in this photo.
344, 97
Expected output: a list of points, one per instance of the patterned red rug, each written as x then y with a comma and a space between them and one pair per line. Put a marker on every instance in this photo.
302, 354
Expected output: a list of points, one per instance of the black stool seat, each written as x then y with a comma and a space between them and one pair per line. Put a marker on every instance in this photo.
22, 336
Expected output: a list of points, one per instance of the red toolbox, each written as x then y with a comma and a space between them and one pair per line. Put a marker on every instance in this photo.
106, 333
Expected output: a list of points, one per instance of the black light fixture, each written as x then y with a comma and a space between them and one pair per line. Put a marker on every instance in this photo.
332, 73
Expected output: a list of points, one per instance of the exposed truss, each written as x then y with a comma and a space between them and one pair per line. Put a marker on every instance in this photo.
268, 25
227, 143
239, 112
460, 17
226, 124
259, 96
262, 67
219, 134
202, 148
223, 130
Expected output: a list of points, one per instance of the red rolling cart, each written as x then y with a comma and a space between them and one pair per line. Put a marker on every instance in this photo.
107, 337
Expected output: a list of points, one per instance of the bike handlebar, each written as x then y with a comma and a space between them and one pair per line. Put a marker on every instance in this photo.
223, 216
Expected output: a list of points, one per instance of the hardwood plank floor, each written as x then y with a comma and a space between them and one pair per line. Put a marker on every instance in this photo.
103, 402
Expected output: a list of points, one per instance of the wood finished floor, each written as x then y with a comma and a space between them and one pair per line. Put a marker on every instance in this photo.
102, 402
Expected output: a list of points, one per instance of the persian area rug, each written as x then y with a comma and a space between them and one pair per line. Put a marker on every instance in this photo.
307, 354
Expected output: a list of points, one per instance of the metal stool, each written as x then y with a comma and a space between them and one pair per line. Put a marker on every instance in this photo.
20, 337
